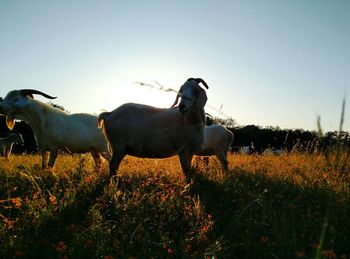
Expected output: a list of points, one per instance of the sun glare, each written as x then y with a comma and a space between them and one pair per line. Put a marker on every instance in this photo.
134, 92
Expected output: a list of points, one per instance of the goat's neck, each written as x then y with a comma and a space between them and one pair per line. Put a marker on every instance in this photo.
12, 137
195, 117
35, 116
194, 127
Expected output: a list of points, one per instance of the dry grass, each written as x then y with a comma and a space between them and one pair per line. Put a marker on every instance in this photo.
287, 206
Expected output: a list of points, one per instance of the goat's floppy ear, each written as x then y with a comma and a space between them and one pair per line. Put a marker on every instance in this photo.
201, 98
177, 97
10, 122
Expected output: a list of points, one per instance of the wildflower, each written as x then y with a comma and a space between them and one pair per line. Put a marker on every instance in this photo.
163, 198
19, 254
88, 179
264, 239
10, 223
61, 246
17, 202
204, 229
329, 254
203, 237
316, 245
300, 254
53, 200
168, 248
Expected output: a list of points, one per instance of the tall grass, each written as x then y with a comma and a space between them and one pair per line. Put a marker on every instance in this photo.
341, 151
288, 206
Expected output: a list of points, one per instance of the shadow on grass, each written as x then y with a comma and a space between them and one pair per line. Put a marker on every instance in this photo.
261, 217
56, 226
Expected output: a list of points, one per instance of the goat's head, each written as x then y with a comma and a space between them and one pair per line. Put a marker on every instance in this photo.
16, 101
17, 138
192, 95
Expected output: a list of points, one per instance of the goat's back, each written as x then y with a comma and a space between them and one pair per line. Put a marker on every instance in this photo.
144, 131
141, 116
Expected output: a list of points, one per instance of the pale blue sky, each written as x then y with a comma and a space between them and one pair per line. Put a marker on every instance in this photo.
268, 63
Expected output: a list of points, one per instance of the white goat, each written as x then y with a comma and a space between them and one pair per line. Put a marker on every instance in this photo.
217, 142
54, 129
7, 143
149, 132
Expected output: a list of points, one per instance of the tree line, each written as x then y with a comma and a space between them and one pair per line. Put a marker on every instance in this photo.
260, 138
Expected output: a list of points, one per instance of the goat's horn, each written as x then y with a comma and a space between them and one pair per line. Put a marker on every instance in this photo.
199, 80
32, 91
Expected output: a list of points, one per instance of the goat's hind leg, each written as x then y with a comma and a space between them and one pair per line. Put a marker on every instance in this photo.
53, 156
97, 158
223, 159
7, 154
115, 162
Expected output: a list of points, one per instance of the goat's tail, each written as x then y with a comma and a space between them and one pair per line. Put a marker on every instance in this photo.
101, 118
230, 142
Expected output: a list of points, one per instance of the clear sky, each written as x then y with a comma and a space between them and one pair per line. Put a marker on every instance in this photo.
267, 62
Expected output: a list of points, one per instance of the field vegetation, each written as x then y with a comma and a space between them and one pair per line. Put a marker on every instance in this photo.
294, 205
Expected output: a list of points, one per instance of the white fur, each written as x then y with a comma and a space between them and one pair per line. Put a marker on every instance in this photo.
54, 129
217, 142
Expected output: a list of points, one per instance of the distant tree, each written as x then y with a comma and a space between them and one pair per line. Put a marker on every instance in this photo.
227, 122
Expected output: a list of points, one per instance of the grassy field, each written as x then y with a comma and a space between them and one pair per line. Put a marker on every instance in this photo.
288, 206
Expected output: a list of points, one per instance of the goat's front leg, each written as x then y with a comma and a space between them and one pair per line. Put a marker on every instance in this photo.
44, 159
53, 156
7, 152
185, 161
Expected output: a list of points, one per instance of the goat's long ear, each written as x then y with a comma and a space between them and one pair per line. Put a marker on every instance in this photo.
10, 122
201, 98
176, 100
179, 93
